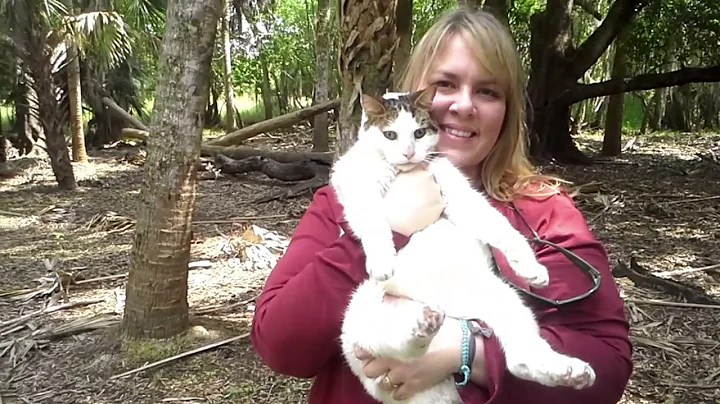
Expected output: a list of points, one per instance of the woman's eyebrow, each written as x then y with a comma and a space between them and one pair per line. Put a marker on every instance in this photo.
452, 76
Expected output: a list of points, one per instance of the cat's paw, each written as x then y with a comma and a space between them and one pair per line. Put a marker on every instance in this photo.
424, 330
533, 272
554, 369
430, 323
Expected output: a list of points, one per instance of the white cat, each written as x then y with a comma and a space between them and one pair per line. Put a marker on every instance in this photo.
445, 268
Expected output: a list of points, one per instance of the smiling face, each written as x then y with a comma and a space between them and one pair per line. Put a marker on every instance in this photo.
469, 105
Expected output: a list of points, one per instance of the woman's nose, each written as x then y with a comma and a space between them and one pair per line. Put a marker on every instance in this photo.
463, 104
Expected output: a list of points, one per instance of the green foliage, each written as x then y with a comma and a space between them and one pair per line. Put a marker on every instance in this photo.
672, 33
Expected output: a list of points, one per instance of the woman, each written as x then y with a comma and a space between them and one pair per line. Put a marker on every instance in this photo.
479, 106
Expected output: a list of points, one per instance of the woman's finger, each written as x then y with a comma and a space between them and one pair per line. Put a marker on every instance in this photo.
362, 354
376, 368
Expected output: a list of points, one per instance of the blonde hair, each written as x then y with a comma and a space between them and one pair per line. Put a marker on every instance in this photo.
506, 171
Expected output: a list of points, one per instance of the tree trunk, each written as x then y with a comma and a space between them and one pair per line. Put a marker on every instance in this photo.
498, 8
550, 121
30, 36
321, 143
77, 135
612, 141
368, 42
79, 153
403, 19
556, 66
266, 89
27, 126
227, 69
156, 304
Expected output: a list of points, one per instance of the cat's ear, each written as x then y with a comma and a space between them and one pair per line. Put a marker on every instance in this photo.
371, 105
422, 99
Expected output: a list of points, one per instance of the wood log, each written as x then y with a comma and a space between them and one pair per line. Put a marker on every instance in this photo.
124, 114
292, 171
135, 134
268, 125
239, 153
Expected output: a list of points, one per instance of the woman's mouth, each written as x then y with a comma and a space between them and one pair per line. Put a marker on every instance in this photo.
457, 132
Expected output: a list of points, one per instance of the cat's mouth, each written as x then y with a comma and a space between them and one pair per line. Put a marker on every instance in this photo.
457, 132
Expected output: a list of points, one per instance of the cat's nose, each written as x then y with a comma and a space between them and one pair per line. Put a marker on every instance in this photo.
409, 153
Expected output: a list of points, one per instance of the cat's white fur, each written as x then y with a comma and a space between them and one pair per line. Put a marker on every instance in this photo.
445, 268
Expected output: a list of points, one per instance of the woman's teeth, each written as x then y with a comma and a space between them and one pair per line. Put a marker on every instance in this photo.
458, 133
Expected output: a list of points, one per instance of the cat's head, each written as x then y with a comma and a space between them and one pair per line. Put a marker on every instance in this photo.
399, 125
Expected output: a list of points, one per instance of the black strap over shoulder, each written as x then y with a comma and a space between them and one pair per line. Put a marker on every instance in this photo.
592, 273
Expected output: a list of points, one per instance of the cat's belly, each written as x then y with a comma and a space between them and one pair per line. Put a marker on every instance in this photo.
441, 264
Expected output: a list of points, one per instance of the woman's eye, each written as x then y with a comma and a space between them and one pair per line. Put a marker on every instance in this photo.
390, 134
419, 133
443, 83
489, 92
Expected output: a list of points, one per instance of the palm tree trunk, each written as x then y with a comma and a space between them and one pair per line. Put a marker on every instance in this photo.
156, 297
79, 154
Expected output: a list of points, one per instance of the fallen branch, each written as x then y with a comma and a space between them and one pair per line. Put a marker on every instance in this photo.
221, 307
239, 153
309, 185
643, 278
705, 198
133, 133
292, 171
674, 304
39, 313
238, 219
181, 355
124, 114
268, 125
688, 270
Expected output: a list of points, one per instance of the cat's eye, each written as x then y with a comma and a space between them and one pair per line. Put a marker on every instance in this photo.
419, 133
390, 134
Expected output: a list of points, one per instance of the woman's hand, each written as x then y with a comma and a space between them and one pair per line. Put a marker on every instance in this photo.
414, 376
413, 201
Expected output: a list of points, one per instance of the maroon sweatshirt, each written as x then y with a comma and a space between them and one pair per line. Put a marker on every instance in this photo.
298, 315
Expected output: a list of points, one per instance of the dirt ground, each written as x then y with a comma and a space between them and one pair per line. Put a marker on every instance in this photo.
647, 205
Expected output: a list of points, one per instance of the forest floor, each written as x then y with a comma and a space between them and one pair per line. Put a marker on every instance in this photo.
646, 205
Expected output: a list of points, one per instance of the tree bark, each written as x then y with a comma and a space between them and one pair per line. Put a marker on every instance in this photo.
368, 43
31, 36
498, 8
227, 69
156, 304
321, 142
403, 19
77, 135
612, 141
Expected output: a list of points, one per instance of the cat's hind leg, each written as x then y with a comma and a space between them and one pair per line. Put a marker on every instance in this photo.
528, 355
399, 329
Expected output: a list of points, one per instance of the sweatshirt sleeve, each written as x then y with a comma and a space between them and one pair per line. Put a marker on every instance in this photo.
594, 329
298, 315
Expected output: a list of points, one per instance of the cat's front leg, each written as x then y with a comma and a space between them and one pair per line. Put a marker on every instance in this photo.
473, 214
362, 200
